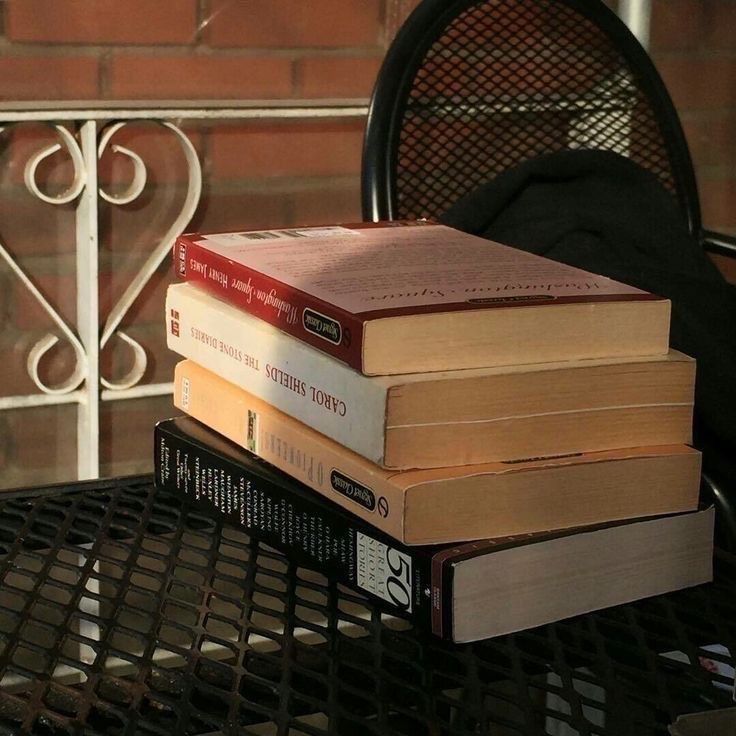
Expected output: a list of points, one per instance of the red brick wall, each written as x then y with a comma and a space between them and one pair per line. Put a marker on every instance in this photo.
693, 43
256, 175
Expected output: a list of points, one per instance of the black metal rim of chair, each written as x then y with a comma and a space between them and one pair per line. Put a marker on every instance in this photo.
719, 243
725, 511
423, 27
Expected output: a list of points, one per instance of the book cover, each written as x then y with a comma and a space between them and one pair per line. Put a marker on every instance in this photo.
488, 499
461, 592
439, 419
216, 475
336, 288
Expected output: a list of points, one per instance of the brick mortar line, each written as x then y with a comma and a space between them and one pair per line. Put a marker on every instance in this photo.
245, 188
104, 75
244, 185
203, 14
148, 329
63, 265
707, 115
51, 264
716, 172
697, 54
683, 111
285, 185
122, 50
297, 77
384, 20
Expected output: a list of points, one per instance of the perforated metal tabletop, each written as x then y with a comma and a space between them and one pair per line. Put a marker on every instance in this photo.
123, 612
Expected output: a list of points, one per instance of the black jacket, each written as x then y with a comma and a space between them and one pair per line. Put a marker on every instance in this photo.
602, 212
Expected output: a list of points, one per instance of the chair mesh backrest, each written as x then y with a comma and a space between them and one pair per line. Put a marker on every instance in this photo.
508, 80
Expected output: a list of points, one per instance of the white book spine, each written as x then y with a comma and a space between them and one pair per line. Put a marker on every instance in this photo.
302, 382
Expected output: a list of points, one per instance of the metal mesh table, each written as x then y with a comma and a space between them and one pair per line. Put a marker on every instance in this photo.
124, 612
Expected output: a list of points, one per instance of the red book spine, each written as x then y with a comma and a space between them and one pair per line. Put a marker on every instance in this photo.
321, 325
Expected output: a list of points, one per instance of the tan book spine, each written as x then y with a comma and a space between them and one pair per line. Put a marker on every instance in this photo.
315, 461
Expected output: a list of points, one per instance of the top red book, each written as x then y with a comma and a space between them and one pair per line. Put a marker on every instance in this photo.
410, 297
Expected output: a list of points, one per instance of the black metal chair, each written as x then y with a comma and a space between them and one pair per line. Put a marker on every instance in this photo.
471, 88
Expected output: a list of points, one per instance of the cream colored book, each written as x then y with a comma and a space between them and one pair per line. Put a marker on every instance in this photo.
497, 588
424, 420
448, 504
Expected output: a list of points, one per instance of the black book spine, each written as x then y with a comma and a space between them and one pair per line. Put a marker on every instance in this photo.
277, 510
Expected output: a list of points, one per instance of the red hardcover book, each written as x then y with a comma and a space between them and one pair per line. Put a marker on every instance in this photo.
405, 297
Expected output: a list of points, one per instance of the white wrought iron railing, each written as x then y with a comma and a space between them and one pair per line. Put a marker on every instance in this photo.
86, 133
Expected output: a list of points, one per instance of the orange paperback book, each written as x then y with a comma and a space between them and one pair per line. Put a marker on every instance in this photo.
456, 503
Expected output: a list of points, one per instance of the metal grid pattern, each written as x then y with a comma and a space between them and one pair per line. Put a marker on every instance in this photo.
121, 612
509, 80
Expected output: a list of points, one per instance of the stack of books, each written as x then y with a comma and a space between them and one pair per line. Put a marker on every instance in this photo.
478, 437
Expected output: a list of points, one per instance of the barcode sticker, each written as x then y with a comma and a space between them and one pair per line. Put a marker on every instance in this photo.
260, 236
251, 435
269, 235
384, 571
322, 232
185, 393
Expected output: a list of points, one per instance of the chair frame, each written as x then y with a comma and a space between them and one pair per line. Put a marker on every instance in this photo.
379, 195
423, 27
